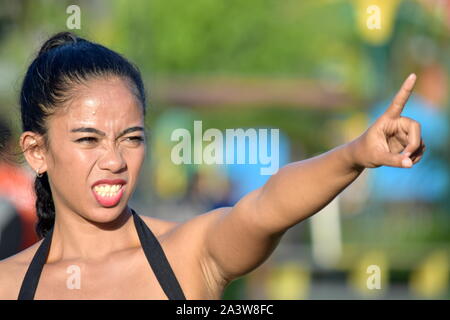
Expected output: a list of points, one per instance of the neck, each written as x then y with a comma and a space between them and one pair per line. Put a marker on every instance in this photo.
75, 237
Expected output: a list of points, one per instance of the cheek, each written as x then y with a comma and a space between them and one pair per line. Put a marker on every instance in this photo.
135, 159
76, 161
71, 167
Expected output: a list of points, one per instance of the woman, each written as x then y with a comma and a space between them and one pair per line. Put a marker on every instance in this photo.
83, 109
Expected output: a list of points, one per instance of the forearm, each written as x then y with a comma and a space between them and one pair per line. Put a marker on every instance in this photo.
303, 188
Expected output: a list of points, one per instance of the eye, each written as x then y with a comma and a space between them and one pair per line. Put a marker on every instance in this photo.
87, 139
135, 139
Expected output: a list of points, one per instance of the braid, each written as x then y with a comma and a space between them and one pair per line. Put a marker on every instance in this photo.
45, 207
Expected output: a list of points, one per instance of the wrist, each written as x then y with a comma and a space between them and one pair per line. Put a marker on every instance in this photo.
353, 155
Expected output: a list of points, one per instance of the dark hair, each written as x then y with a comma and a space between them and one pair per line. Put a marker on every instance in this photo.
65, 61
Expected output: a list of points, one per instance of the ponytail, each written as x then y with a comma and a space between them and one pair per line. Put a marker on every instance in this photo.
45, 208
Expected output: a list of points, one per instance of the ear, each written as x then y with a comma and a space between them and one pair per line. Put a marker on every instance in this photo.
33, 148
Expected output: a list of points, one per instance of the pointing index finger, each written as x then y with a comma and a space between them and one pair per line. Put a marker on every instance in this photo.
396, 108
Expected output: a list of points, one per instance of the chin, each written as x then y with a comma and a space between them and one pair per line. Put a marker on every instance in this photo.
105, 215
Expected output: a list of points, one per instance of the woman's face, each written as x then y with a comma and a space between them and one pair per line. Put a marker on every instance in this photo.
99, 135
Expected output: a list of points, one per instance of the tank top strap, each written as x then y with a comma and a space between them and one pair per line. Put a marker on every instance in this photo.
31, 279
158, 260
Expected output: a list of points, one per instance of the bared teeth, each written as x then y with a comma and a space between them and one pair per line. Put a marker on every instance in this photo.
107, 190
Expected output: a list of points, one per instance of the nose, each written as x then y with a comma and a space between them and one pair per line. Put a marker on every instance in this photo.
112, 160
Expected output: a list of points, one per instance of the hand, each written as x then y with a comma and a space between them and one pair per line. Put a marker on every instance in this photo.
392, 140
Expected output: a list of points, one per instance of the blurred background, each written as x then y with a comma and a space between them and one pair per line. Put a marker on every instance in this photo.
319, 71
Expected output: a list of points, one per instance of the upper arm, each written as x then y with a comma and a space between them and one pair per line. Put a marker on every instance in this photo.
8, 281
12, 272
237, 239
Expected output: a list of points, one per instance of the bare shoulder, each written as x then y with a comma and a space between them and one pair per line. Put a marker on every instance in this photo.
12, 271
184, 245
159, 227
193, 233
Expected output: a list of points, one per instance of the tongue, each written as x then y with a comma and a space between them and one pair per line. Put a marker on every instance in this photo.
109, 201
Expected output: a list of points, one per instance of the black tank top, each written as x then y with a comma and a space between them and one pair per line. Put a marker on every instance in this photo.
152, 249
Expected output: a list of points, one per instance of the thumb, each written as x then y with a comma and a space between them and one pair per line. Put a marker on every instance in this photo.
397, 160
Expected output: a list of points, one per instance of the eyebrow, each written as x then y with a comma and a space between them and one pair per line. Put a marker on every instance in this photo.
101, 133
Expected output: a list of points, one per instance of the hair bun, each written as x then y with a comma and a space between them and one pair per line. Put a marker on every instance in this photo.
58, 40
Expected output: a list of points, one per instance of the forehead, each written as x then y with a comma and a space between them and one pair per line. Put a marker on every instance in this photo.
107, 103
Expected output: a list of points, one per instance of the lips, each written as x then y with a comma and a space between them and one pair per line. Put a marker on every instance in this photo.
108, 192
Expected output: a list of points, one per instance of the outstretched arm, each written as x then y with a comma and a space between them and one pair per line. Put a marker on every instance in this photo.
239, 239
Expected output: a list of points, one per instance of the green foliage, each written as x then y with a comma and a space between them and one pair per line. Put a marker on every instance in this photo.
231, 36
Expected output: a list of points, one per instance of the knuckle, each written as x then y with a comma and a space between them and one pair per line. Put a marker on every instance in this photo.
412, 122
417, 124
